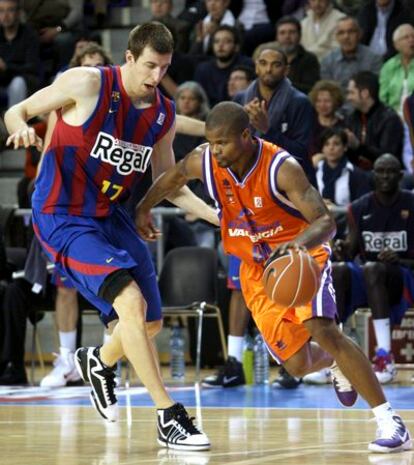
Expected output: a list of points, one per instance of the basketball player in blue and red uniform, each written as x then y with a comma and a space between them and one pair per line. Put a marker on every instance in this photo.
267, 206
381, 236
112, 122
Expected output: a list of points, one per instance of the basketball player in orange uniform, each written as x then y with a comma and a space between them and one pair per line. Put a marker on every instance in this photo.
266, 206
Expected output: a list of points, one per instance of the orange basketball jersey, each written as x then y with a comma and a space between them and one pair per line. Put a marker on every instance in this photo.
255, 215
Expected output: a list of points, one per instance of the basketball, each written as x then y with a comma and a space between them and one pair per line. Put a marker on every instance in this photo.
292, 280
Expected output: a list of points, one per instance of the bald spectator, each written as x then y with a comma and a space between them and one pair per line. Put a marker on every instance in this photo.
397, 74
351, 56
318, 27
378, 20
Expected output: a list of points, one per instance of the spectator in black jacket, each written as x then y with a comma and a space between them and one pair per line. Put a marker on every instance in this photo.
19, 55
278, 111
213, 74
379, 38
372, 128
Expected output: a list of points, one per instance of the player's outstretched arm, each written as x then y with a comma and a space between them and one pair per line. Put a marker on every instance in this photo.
69, 88
292, 180
170, 184
190, 126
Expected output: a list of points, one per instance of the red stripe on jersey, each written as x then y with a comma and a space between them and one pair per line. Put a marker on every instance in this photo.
54, 193
72, 263
78, 188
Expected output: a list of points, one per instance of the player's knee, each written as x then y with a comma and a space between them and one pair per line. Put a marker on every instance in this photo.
154, 327
327, 335
373, 272
299, 364
130, 305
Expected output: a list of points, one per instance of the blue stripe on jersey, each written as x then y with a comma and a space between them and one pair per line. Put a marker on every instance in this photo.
68, 162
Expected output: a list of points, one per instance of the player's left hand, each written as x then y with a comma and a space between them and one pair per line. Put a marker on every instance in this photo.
258, 115
283, 249
145, 225
388, 256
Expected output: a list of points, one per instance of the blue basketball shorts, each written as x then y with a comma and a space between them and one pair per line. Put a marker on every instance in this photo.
86, 250
233, 273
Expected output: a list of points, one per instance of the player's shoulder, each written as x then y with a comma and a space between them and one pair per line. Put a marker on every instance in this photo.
85, 79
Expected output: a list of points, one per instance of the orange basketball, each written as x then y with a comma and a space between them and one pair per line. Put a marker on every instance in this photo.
292, 280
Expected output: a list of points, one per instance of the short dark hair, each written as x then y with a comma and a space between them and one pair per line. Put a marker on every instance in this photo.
234, 31
289, 20
247, 70
270, 46
331, 132
90, 49
152, 34
229, 116
367, 80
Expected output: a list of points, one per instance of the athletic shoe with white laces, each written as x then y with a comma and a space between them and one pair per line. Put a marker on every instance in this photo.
102, 379
318, 377
346, 394
64, 372
176, 430
392, 436
384, 366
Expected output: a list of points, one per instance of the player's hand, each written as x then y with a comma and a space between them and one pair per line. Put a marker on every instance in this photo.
145, 225
258, 115
25, 138
283, 249
339, 249
388, 256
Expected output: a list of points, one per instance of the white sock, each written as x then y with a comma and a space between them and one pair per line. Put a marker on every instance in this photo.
383, 412
383, 333
235, 347
106, 337
67, 340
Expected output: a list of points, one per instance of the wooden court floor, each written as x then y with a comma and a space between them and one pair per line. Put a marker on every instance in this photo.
74, 435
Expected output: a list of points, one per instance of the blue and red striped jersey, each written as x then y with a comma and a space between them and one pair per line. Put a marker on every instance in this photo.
88, 168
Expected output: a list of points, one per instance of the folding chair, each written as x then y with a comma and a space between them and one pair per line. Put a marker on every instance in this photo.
188, 287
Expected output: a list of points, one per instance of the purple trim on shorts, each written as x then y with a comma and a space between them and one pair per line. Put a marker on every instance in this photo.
324, 303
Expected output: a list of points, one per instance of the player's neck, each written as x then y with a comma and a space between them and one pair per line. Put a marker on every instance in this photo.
138, 101
244, 165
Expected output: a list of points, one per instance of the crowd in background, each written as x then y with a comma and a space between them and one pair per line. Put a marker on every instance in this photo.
340, 77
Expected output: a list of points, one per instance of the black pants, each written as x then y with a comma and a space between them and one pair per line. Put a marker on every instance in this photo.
19, 304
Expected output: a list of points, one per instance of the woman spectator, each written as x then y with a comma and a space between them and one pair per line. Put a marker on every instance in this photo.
339, 181
326, 97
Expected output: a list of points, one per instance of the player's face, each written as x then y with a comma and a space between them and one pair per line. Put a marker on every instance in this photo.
147, 71
227, 148
270, 68
387, 175
333, 149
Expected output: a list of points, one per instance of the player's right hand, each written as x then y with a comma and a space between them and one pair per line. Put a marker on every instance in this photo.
25, 137
145, 225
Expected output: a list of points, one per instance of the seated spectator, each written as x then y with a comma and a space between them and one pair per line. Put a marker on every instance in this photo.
218, 15
382, 233
318, 27
397, 73
59, 25
161, 10
378, 20
192, 101
339, 181
19, 56
257, 18
351, 56
372, 127
213, 74
326, 97
303, 65
239, 79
